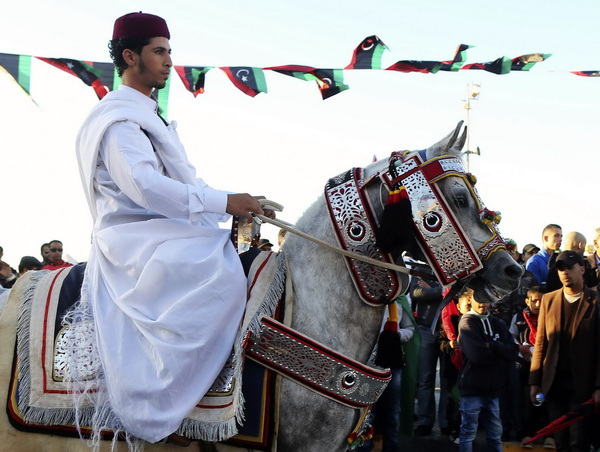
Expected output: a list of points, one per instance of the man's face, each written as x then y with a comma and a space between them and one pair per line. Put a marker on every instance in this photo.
533, 302
480, 308
552, 239
56, 250
153, 65
46, 253
527, 256
571, 277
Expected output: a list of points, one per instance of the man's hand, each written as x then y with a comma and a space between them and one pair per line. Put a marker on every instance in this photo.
533, 391
244, 205
525, 352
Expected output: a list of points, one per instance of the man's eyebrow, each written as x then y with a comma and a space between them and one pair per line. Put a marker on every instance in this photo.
162, 48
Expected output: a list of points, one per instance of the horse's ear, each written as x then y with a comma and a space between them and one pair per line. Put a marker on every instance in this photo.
451, 144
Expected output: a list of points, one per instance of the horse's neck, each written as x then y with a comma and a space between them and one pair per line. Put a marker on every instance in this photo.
327, 307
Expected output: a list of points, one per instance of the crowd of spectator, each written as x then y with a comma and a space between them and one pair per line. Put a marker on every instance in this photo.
487, 359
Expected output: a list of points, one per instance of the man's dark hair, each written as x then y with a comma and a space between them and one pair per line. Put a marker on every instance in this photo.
117, 46
551, 226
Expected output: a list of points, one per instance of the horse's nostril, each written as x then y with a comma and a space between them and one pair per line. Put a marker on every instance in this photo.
513, 271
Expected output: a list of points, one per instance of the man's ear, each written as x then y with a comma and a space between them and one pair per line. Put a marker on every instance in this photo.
129, 56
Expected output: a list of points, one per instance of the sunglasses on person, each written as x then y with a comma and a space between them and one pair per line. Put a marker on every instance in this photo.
56, 250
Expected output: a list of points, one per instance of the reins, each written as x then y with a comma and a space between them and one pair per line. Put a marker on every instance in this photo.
288, 227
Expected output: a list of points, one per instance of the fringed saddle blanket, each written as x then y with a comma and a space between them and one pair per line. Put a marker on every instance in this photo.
40, 399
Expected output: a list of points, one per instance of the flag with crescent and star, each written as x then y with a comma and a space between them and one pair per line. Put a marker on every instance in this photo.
499, 66
193, 77
19, 68
330, 82
297, 71
108, 77
249, 80
526, 62
459, 59
368, 54
586, 73
425, 67
82, 70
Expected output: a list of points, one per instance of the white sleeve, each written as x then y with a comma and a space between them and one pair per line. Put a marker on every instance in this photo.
132, 163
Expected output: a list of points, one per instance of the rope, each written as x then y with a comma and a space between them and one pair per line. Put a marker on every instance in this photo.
288, 227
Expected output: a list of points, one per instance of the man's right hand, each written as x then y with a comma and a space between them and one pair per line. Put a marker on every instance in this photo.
244, 205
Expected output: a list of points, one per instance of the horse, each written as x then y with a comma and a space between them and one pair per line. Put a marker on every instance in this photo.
328, 307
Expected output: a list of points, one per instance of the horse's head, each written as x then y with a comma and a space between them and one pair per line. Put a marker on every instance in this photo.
434, 183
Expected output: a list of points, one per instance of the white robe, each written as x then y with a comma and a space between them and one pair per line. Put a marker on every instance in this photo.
165, 284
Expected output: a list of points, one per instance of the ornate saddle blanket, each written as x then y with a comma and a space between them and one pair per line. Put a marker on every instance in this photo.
41, 401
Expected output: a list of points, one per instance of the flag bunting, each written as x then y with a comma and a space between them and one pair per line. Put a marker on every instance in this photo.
102, 77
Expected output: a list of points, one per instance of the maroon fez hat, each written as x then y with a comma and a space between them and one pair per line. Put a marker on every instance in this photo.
140, 25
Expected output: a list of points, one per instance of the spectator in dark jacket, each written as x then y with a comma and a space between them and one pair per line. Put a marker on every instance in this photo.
487, 349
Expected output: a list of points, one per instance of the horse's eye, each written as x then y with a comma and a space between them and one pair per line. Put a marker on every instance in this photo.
461, 201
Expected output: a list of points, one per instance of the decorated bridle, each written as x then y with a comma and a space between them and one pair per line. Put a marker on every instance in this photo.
412, 180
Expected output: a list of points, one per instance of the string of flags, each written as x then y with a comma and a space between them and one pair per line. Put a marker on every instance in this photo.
102, 77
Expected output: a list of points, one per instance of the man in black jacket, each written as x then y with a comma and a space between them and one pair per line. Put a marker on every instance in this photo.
487, 348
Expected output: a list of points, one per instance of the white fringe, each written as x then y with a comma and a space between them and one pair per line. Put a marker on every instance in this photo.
33, 415
90, 397
215, 432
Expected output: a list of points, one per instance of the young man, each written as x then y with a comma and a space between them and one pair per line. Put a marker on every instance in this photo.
487, 349
163, 280
524, 329
538, 264
565, 366
55, 256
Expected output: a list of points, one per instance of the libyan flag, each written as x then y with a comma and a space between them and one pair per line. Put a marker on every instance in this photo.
82, 70
459, 58
108, 75
249, 80
416, 66
499, 66
586, 73
368, 54
19, 68
193, 77
526, 62
297, 71
330, 81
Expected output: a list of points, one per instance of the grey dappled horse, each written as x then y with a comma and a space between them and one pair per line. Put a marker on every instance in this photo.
326, 308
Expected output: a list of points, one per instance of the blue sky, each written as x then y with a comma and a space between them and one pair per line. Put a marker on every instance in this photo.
538, 131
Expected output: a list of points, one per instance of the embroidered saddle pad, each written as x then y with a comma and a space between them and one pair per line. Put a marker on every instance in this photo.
40, 401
